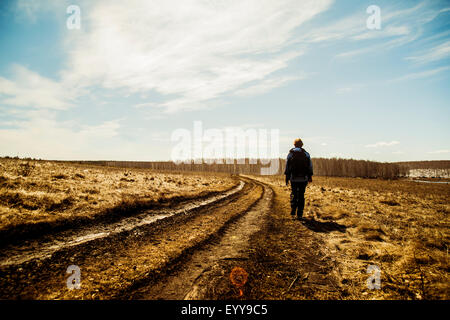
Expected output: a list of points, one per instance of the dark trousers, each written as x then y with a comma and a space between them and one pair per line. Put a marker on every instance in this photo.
298, 197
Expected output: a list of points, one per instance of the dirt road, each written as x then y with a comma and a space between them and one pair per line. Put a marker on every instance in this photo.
164, 254
197, 277
186, 251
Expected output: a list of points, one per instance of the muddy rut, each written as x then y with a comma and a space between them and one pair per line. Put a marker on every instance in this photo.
164, 254
45, 247
194, 279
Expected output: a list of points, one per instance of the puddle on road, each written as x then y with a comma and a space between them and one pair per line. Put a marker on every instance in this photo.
43, 249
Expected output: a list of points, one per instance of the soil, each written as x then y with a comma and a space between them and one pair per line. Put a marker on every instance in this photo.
186, 252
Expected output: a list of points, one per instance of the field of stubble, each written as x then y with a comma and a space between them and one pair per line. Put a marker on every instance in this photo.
51, 194
400, 226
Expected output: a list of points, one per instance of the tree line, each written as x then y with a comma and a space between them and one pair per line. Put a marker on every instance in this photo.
337, 167
429, 164
334, 167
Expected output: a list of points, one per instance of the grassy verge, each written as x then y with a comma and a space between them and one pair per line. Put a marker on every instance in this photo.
401, 227
38, 196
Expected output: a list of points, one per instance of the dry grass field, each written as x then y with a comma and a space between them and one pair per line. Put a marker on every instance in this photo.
44, 192
400, 226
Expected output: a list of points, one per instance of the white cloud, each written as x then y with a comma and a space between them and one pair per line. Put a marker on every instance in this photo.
246, 126
396, 41
107, 129
441, 51
382, 144
266, 85
30, 11
29, 89
439, 151
399, 27
193, 52
389, 31
341, 29
189, 51
354, 27
351, 53
43, 136
420, 75
348, 89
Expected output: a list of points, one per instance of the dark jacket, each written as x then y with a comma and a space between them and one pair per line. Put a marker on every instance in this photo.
288, 170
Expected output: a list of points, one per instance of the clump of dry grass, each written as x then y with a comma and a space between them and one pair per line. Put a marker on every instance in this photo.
400, 226
364, 253
332, 213
24, 169
406, 235
34, 192
370, 231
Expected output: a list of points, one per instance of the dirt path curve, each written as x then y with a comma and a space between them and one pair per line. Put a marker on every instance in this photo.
194, 279
187, 255
46, 246
119, 258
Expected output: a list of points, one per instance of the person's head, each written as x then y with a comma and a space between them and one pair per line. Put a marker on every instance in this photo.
298, 143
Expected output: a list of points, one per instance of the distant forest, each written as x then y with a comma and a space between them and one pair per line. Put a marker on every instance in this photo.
434, 164
322, 167
334, 167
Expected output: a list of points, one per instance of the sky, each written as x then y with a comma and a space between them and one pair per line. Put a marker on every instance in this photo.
135, 72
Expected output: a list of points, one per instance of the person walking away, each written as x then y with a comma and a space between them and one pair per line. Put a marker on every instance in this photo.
299, 171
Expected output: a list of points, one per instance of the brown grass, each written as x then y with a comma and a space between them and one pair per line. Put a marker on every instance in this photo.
400, 226
34, 192
112, 271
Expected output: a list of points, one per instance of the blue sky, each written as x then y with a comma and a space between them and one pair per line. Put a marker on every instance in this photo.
136, 71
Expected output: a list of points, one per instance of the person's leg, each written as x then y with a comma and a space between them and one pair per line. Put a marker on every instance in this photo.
301, 198
294, 197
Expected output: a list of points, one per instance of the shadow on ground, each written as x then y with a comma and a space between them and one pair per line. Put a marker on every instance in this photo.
318, 226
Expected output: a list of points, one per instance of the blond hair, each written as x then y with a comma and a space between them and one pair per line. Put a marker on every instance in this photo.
298, 143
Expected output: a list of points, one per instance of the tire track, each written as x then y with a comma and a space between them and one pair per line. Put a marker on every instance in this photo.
192, 278
43, 276
44, 248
